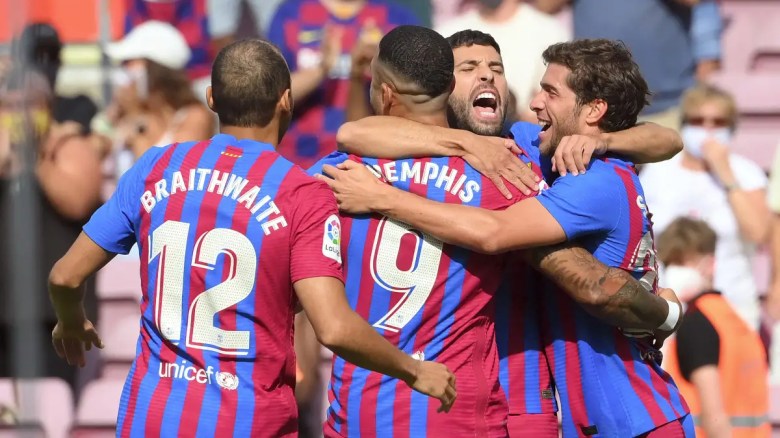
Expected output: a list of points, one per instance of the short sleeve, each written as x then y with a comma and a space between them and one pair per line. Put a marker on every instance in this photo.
698, 344
584, 204
316, 236
749, 174
112, 226
333, 159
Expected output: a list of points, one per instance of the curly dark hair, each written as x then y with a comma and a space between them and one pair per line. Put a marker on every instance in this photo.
603, 69
420, 55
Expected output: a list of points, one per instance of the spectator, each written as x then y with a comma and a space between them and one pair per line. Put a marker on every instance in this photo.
66, 179
39, 47
525, 31
726, 190
446, 10
225, 17
717, 360
191, 19
674, 42
154, 104
317, 37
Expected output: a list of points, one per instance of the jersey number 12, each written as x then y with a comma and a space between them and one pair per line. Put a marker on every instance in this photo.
169, 242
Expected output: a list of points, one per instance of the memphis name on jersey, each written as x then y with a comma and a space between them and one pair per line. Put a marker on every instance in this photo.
422, 173
226, 184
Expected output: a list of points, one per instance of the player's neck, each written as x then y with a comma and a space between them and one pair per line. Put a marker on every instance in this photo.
433, 118
266, 134
504, 12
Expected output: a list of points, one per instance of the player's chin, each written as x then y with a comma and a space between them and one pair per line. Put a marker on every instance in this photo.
490, 128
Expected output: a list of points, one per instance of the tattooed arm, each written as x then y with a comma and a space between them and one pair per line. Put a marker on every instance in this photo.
610, 294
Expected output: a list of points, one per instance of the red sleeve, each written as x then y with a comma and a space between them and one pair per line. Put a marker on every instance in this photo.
316, 235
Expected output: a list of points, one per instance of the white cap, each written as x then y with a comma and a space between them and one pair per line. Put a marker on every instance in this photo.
157, 41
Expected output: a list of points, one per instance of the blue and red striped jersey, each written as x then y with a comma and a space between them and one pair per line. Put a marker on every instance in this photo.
609, 384
432, 300
297, 28
188, 16
224, 228
523, 370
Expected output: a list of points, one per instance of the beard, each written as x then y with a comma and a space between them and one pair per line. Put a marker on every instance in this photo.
459, 116
565, 128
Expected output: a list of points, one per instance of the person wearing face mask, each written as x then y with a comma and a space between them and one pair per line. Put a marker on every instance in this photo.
710, 182
153, 102
519, 25
717, 360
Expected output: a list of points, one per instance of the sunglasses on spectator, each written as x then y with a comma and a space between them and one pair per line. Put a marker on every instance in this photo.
718, 122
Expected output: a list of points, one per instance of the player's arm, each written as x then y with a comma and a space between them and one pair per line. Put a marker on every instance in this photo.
610, 294
644, 143
110, 231
315, 270
348, 335
395, 138
523, 225
74, 332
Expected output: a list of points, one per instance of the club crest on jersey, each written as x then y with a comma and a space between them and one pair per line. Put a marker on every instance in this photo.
331, 239
227, 381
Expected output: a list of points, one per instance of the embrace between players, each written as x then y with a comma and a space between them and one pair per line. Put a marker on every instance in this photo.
509, 293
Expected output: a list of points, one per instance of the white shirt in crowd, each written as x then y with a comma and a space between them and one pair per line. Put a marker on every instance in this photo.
522, 39
672, 191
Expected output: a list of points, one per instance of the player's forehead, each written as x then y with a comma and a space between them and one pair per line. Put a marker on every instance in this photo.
555, 78
476, 54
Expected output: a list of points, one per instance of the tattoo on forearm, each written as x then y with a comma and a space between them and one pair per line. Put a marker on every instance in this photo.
608, 293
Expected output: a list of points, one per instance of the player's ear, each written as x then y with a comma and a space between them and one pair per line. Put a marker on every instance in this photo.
286, 102
209, 98
595, 111
388, 97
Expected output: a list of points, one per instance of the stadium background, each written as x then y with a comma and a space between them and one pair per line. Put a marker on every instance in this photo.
750, 69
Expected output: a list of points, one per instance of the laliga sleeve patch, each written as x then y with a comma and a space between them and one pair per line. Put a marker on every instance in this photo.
331, 238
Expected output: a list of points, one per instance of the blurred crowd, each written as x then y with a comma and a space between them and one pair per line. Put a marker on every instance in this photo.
61, 154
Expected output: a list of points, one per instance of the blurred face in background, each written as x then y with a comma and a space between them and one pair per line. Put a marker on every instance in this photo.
131, 84
710, 119
481, 95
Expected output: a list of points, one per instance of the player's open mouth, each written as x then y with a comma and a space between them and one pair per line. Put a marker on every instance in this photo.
544, 124
486, 104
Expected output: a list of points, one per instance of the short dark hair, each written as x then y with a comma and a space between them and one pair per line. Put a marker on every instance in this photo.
603, 69
247, 80
39, 43
419, 55
470, 37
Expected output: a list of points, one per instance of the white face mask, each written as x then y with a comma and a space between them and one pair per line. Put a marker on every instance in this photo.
686, 282
694, 137
123, 77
